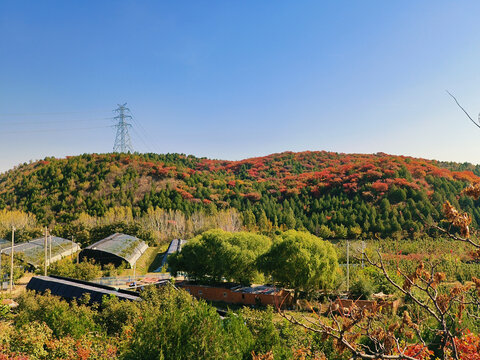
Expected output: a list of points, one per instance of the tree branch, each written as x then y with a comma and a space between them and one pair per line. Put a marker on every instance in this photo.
465, 111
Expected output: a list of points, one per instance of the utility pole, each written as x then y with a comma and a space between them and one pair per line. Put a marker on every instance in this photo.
50, 250
45, 249
135, 273
11, 259
348, 265
122, 139
73, 247
78, 252
1, 272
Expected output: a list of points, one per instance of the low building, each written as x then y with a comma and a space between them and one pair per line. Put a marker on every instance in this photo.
115, 249
34, 250
175, 246
70, 289
237, 294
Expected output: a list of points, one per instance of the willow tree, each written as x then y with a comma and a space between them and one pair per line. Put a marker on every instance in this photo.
216, 255
300, 261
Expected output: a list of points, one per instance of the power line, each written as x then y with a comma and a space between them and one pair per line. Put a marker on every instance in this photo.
142, 139
123, 143
143, 135
55, 113
52, 130
41, 122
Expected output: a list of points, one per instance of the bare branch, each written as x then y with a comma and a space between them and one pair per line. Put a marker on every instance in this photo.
465, 111
457, 238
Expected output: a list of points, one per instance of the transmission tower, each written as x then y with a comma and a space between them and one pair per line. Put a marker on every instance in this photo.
122, 139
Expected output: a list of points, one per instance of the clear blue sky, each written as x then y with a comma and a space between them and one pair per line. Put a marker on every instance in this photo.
237, 79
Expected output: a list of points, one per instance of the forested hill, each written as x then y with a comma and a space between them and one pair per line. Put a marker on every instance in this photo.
330, 194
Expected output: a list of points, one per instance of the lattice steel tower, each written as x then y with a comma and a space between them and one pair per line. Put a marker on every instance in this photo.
123, 143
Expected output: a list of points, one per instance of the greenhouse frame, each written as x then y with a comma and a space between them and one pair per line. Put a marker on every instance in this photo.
34, 250
115, 249
4, 244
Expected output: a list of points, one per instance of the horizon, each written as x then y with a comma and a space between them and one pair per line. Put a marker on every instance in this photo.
236, 81
236, 160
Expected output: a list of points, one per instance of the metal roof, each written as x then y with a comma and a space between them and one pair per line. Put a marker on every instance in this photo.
75, 289
126, 247
34, 250
258, 289
4, 243
254, 289
175, 245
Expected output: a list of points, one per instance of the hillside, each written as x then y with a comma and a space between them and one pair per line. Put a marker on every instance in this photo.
329, 194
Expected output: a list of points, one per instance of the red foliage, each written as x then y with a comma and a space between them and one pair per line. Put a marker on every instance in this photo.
380, 186
350, 187
253, 196
418, 351
373, 174
401, 182
466, 175
4, 356
149, 164
185, 194
468, 346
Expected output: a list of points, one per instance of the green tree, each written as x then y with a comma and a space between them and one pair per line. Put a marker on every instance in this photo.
290, 220
176, 327
264, 224
216, 254
301, 261
325, 233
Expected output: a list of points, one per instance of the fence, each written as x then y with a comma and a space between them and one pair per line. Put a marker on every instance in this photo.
123, 280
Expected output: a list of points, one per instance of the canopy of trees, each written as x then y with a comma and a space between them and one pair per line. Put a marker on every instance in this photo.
216, 255
301, 261
168, 324
339, 195
296, 260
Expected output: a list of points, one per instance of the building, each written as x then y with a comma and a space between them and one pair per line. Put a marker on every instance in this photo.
70, 289
34, 250
237, 294
175, 246
115, 249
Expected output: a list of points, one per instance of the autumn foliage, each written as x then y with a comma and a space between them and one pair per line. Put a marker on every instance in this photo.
305, 190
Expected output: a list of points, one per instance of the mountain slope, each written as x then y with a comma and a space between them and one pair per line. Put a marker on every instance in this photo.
370, 194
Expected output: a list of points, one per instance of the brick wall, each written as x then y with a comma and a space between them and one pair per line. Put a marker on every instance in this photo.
235, 297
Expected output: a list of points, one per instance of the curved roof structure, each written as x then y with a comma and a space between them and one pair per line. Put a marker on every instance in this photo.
115, 249
4, 243
34, 250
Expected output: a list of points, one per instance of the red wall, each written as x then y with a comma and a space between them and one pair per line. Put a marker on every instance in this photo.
235, 297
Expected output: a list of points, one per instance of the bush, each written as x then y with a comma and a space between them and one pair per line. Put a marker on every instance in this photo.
86, 270
62, 318
362, 288
176, 326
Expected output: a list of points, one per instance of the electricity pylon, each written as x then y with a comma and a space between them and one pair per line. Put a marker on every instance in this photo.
122, 139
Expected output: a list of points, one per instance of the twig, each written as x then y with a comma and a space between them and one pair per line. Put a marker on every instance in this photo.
465, 111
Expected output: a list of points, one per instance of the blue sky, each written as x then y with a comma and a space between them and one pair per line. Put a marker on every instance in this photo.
231, 80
